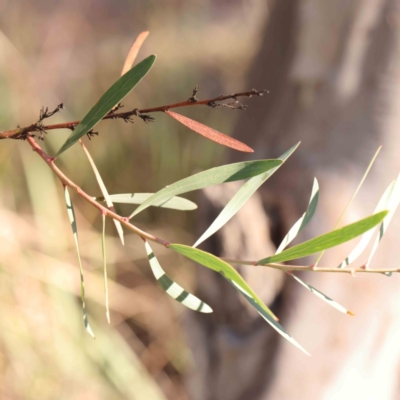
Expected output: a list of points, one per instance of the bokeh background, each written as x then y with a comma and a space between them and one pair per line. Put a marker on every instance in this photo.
332, 69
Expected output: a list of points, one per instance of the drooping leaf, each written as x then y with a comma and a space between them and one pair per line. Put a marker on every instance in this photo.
213, 176
393, 203
172, 288
365, 239
322, 296
304, 220
175, 203
241, 197
103, 250
210, 133
232, 276
109, 99
133, 52
72, 220
103, 189
327, 240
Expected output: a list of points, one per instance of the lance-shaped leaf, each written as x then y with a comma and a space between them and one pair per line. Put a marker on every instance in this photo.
327, 240
213, 176
103, 250
241, 197
210, 133
365, 239
233, 277
109, 99
133, 52
72, 220
304, 220
393, 203
322, 296
103, 189
174, 203
172, 288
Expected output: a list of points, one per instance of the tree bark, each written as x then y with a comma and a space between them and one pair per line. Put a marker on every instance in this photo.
332, 69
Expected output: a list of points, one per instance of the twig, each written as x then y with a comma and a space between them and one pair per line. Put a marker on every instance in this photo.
22, 133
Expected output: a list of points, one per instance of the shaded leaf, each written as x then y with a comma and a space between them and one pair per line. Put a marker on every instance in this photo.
304, 220
133, 52
241, 197
175, 203
322, 296
103, 189
109, 99
210, 133
327, 240
365, 239
103, 250
232, 276
72, 220
172, 288
213, 176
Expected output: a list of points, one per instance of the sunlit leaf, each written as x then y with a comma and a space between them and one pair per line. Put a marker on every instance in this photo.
172, 288
304, 220
365, 239
327, 240
322, 296
175, 203
133, 52
72, 220
109, 99
210, 133
232, 276
103, 189
213, 176
393, 203
241, 197
103, 250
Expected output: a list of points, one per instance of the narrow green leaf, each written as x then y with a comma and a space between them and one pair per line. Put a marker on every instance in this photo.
365, 239
213, 176
103, 189
241, 197
174, 203
322, 296
232, 276
103, 250
304, 220
172, 288
393, 203
327, 240
109, 99
72, 220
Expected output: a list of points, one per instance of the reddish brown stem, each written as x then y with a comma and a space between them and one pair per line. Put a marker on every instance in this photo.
21, 132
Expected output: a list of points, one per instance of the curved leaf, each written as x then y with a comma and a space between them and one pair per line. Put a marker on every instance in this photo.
72, 220
327, 240
172, 288
304, 220
103, 250
109, 99
210, 133
232, 276
133, 52
213, 176
241, 197
365, 239
175, 203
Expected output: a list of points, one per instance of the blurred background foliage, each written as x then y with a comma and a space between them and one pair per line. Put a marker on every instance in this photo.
71, 51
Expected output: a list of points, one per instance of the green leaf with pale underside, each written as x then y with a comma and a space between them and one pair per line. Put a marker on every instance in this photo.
327, 240
109, 99
213, 176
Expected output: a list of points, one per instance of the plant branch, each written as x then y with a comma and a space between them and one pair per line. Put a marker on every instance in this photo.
22, 133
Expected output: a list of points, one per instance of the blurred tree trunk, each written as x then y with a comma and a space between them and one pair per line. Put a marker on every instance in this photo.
333, 72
